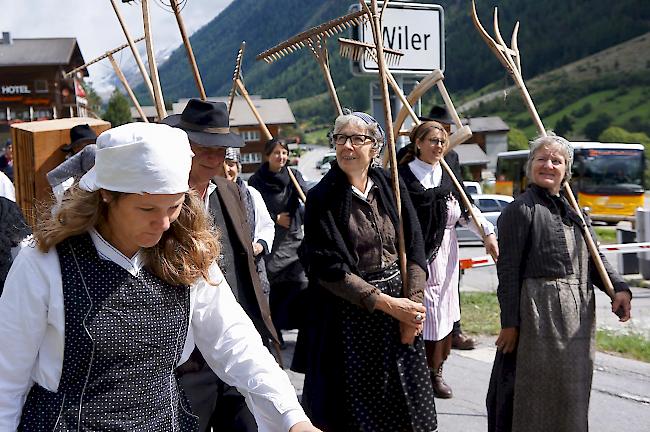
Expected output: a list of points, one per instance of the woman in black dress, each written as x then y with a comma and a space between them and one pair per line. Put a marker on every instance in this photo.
366, 367
285, 273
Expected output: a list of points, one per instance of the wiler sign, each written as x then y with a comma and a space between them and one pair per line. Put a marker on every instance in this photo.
417, 30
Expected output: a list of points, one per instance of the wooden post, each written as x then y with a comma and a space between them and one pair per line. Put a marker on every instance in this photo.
153, 68
188, 47
127, 87
136, 54
267, 133
383, 83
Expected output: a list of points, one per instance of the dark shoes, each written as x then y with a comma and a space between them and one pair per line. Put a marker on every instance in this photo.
440, 388
462, 342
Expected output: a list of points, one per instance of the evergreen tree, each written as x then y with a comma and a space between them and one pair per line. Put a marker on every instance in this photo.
94, 100
564, 125
594, 128
117, 111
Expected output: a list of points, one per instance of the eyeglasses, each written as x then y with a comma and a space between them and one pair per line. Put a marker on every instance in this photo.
437, 142
356, 140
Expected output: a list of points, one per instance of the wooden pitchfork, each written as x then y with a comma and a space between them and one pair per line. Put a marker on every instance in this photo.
316, 40
118, 72
511, 60
238, 86
462, 133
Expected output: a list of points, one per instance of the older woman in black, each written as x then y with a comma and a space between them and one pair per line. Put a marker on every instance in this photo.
366, 369
541, 380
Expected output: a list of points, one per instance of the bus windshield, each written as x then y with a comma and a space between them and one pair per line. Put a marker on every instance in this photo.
609, 171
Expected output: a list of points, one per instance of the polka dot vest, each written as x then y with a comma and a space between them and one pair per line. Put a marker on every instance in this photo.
124, 336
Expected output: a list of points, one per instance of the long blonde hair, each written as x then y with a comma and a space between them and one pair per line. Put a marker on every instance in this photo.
182, 256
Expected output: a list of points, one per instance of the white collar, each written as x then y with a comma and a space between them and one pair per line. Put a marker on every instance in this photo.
365, 193
429, 175
108, 252
212, 186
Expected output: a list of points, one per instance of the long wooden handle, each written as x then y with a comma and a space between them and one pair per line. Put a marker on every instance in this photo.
188, 48
157, 91
127, 87
375, 22
321, 57
267, 133
136, 54
591, 245
466, 202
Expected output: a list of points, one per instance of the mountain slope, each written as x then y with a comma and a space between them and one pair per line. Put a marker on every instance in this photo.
553, 33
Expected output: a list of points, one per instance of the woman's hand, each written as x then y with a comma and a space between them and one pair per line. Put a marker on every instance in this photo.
257, 248
402, 309
491, 246
284, 220
507, 340
622, 305
304, 427
409, 333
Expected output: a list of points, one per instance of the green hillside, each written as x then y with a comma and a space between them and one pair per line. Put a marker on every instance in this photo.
553, 33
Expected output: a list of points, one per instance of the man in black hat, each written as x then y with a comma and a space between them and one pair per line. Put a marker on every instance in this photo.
80, 159
208, 128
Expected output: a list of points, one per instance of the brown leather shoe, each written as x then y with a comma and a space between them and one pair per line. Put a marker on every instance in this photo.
441, 389
462, 342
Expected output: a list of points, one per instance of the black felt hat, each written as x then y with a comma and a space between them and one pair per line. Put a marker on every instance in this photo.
440, 114
79, 135
206, 123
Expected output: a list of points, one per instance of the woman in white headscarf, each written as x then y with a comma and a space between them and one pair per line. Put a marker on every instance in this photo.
120, 287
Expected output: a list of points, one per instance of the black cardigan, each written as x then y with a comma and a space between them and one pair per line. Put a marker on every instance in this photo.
325, 251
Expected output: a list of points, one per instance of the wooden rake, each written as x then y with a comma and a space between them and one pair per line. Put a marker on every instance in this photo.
511, 60
238, 86
118, 72
462, 133
315, 39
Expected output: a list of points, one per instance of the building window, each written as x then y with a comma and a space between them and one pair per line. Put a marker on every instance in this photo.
251, 158
40, 86
253, 135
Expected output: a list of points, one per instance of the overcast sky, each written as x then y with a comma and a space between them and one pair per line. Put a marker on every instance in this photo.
94, 24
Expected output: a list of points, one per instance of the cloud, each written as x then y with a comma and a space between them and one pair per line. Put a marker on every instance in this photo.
95, 25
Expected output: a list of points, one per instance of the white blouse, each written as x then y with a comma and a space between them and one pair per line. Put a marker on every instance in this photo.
430, 176
32, 338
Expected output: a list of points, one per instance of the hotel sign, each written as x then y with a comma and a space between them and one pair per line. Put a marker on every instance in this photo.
14, 90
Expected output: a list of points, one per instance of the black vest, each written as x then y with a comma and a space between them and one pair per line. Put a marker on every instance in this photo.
124, 336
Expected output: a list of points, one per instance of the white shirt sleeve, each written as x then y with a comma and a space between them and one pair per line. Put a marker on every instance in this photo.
264, 225
7, 189
233, 348
26, 327
488, 227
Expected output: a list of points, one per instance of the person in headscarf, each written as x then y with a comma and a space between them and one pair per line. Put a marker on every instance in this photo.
98, 348
366, 367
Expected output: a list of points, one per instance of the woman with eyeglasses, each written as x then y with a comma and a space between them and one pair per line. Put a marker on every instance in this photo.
285, 273
366, 367
439, 208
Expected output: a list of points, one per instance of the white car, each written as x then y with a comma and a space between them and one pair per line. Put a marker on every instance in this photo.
474, 188
327, 158
491, 207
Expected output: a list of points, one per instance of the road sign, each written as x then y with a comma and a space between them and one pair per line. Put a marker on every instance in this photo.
416, 29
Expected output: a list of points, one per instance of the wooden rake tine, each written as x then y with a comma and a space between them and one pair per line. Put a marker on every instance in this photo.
236, 75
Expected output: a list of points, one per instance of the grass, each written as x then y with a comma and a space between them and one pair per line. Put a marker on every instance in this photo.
480, 315
633, 345
606, 235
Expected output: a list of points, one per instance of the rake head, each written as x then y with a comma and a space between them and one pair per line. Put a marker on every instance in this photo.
357, 50
313, 37
236, 74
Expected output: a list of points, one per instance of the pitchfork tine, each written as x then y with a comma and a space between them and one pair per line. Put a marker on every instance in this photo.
515, 47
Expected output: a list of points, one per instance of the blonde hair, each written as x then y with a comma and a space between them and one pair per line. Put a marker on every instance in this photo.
184, 253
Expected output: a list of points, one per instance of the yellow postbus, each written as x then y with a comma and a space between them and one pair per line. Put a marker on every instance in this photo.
608, 178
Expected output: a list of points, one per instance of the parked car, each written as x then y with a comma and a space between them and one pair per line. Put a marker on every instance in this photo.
491, 207
474, 188
329, 157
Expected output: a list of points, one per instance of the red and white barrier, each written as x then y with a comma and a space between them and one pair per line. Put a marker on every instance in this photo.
486, 260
